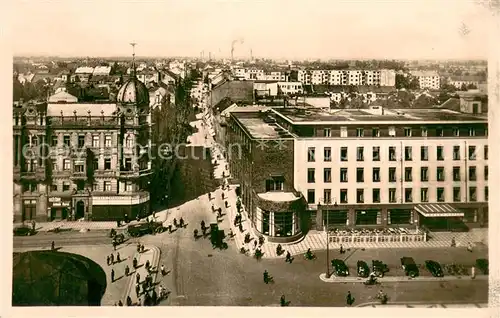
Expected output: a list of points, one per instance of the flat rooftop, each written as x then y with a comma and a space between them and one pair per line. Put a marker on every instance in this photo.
321, 116
259, 129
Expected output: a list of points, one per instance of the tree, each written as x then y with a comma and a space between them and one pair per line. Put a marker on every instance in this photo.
424, 101
18, 92
463, 87
471, 86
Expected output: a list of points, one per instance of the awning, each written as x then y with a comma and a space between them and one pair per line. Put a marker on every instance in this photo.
435, 210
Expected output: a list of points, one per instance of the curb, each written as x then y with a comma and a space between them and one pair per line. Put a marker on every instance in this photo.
155, 260
397, 279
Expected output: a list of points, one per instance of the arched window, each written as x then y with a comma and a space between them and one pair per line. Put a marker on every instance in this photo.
128, 141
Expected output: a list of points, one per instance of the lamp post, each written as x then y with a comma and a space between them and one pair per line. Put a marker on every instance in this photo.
328, 244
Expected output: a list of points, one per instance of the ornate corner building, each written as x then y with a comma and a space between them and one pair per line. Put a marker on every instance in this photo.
75, 160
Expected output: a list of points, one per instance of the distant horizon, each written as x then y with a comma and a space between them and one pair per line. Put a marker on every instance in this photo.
238, 59
274, 29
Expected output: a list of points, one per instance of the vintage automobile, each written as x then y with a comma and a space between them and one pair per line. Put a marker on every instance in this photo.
409, 266
379, 268
363, 269
340, 268
217, 237
140, 229
24, 231
434, 268
483, 265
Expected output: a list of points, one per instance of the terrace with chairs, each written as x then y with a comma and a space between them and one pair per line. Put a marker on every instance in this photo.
377, 235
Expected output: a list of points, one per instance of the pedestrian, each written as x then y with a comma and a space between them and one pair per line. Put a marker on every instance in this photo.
349, 299
473, 272
117, 223
138, 247
137, 289
33, 225
163, 272
138, 278
118, 260
209, 196
142, 248
144, 287
127, 270
254, 244
225, 202
288, 257
240, 227
114, 245
282, 301
341, 249
120, 303
107, 260
112, 259
129, 301
125, 217
53, 245
147, 264
134, 263
112, 275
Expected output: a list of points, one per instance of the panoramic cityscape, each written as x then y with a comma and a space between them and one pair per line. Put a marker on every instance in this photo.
204, 175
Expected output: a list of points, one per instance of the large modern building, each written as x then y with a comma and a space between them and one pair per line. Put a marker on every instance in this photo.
358, 168
76, 160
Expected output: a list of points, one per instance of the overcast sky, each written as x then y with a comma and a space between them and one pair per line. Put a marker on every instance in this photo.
292, 29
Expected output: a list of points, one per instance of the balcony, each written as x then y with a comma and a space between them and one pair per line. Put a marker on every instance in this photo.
79, 175
61, 173
105, 173
37, 174
85, 121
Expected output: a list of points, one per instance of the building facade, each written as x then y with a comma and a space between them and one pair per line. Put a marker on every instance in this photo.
83, 160
428, 79
359, 168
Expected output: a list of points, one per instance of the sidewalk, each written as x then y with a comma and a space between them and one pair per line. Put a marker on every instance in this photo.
151, 253
392, 279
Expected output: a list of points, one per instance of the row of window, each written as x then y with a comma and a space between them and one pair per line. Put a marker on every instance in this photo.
408, 153
408, 195
408, 174
79, 166
407, 132
66, 186
33, 141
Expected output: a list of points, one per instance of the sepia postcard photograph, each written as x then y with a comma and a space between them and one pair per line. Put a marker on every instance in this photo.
331, 157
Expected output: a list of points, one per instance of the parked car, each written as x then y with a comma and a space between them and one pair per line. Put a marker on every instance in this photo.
340, 268
434, 268
363, 269
24, 231
379, 268
409, 266
483, 265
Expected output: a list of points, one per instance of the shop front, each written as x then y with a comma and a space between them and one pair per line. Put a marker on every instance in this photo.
114, 208
278, 216
59, 208
440, 217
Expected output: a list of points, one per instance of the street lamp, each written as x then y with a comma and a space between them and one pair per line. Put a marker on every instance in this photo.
328, 245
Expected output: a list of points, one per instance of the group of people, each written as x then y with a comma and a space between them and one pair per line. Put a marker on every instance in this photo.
110, 259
